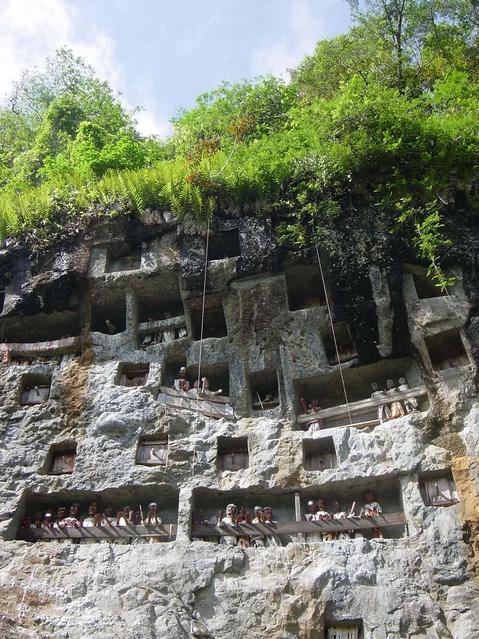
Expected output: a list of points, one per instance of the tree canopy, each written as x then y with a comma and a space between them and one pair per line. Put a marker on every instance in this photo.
378, 128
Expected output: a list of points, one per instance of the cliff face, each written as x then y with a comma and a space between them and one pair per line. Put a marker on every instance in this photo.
76, 322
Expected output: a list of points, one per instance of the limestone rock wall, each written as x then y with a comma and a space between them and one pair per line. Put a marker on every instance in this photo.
420, 581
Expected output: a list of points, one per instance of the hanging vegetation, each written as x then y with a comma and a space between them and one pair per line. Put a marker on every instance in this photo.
378, 127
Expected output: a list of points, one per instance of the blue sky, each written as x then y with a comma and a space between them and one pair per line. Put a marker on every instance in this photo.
162, 54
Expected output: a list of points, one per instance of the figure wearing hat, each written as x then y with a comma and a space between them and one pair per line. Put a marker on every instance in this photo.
183, 381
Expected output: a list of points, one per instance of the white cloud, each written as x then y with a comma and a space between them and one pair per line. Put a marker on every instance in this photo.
305, 30
32, 30
149, 123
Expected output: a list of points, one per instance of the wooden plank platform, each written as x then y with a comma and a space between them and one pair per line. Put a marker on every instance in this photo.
111, 533
294, 527
54, 347
361, 406
215, 406
178, 321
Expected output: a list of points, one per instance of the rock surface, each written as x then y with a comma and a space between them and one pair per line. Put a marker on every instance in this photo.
417, 583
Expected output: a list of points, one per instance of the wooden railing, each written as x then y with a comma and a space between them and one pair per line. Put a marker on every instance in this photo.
167, 532
53, 347
216, 406
112, 533
363, 412
295, 527
159, 326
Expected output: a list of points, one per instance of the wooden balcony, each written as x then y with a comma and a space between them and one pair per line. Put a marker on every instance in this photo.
215, 406
159, 326
364, 413
54, 347
167, 532
294, 527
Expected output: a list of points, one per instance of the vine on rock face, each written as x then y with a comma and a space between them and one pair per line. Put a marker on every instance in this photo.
374, 137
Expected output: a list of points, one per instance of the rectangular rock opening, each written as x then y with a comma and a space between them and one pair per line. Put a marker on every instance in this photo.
354, 498
171, 368
304, 286
218, 376
153, 450
344, 630
424, 285
447, 350
110, 504
132, 374
159, 298
160, 310
438, 489
344, 342
61, 458
232, 453
214, 324
35, 388
209, 507
181, 389
322, 402
123, 257
263, 388
108, 311
319, 454
347, 505
42, 327
223, 244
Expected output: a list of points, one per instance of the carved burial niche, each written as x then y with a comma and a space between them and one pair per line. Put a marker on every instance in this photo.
232, 453
130, 374
223, 244
447, 350
264, 391
214, 324
319, 454
108, 311
61, 458
123, 257
42, 327
438, 489
327, 390
111, 500
159, 299
218, 376
153, 450
208, 503
424, 285
304, 286
35, 388
171, 368
344, 631
346, 348
351, 493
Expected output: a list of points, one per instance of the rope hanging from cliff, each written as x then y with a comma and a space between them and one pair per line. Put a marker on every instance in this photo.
333, 333
200, 355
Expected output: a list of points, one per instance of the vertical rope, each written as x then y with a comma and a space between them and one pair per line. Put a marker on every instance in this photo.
204, 300
167, 449
201, 340
334, 334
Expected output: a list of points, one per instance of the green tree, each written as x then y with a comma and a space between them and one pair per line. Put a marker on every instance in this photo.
411, 28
